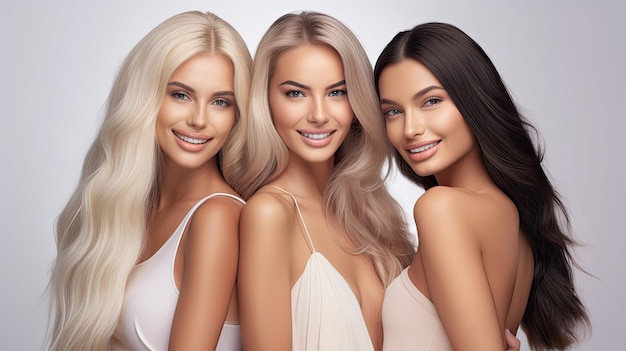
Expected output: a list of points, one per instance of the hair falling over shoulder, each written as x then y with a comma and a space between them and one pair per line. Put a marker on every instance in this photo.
356, 196
554, 315
100, 232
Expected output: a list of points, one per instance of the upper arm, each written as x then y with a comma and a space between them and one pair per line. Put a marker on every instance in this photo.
264, 280
211, 246
451, 256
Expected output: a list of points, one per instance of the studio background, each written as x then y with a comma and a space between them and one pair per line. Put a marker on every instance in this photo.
562, 61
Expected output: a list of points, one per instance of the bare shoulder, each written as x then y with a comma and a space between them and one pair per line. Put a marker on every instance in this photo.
268, 206
467, 211
268, 214
220, 205
218, 209
441, 202
218, 216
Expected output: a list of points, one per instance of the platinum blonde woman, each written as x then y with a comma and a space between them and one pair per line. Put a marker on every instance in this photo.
148, 243
320, 235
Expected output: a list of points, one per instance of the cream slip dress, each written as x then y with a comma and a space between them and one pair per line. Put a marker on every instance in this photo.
410, 319
325, 313
151, 297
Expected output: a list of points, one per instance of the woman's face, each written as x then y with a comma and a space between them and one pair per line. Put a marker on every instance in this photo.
309, 102
197, 112
422, 122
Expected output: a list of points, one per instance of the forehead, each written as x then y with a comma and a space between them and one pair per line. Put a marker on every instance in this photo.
202, 66
309, 61
406, 76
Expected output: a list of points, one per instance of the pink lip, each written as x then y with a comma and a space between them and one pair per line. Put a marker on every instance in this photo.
316, 137
191, 134
422, 155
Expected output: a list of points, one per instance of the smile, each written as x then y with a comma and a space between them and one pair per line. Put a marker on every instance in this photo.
190, 140
316, 136
417, 150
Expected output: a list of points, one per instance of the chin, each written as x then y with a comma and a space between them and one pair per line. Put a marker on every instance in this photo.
423, 171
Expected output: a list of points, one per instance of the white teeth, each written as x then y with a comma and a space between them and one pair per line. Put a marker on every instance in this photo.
191, 140
423, 148
316, 136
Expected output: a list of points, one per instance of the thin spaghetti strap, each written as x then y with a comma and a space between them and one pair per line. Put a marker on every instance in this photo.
201, 201
306, 230
237, 198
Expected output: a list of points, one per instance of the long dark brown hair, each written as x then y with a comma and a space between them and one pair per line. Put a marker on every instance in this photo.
555, 314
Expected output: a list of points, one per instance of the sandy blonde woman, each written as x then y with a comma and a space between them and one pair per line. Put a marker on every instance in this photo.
320, 235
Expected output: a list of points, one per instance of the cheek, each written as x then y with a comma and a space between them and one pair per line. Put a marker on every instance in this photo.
394, 132
287, 115
162, 122
163, 114
345, 114
445, 123
161, 129
467, 136
458, 131
170, 113
456, 124
279, 110
225, 121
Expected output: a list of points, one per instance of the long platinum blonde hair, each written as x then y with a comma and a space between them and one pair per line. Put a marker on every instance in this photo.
100, 232
356, 196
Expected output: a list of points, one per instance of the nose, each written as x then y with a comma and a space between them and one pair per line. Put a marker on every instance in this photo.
198, 117
318, 113
413, 125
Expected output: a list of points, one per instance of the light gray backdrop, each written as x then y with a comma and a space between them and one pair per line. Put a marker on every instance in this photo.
562, 61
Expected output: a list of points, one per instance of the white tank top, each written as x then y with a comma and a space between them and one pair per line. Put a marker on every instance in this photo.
151, 297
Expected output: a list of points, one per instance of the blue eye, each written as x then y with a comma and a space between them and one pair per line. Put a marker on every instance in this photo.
221, 102
338, 92
432, 101
392, 112
294, 93
179, 95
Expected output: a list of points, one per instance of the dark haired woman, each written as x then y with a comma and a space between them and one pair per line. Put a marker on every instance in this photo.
494, 249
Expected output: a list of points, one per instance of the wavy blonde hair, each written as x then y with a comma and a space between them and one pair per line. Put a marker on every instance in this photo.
356, 196
100, 232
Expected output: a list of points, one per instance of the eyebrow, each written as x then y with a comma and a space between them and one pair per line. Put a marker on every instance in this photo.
190, 89
417, 95
305, 87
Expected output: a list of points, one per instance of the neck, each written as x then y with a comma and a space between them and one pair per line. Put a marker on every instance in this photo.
469, 173
307, 178
180, 184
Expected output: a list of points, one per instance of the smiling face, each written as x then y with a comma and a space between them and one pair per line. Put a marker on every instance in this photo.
423, 123
309, 102
197, 112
